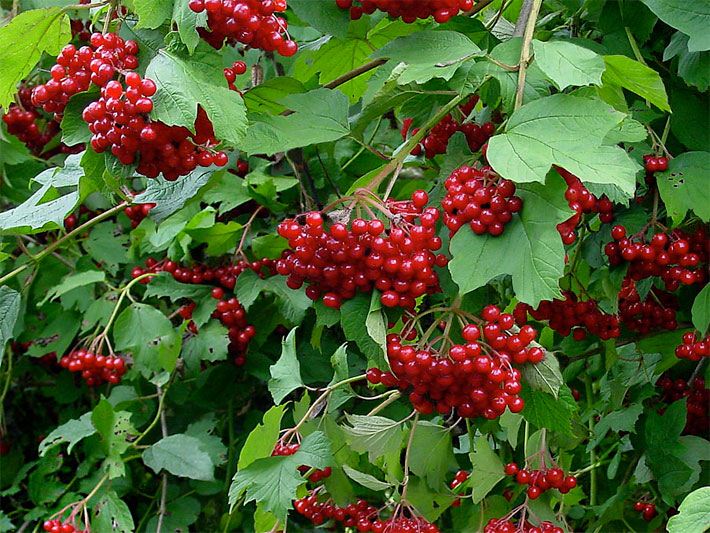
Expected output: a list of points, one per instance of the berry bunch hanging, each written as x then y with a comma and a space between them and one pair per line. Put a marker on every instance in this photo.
678, 258
479, 198
459, 478
571, 316
582, 202
336, 261
253, 23
697, 420
653, 163
474, 378
507, 525
437, 139
138, 212
25, 122
76, 69
408, 10
657, 311
647, 510
541, 480
693, 348
230, 74
95, 368
57, 526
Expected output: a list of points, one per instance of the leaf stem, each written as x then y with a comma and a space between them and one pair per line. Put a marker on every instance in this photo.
407, 453
392, 398
156, 419
525, 55
592, 452
59, 242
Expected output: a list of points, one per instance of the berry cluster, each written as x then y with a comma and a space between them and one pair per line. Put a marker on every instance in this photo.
25, 122
57, 526
657, 311
697, 420
479, 198
242, 168
571, 316
677, 258
408, 10
581, 201
137, 212
337, 261
231, 73
249, 22
647, 510
361, 516
654, 163
505, 525
692, 348
95, 368
437, 139
459, 478
474, 379
229, 311
282, 449
540, 481
76, 69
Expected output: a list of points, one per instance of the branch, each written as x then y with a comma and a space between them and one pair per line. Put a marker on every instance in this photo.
525, 55
355, 73
59, 242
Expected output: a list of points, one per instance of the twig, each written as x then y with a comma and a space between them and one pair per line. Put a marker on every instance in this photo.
480, 6
523, 17
340, 80
162, 509
393, 398
525, 55
407, 453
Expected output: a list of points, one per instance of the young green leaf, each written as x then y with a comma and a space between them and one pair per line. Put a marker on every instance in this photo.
366, 480
375, 435
701, 310
169, 196
693, 513
181, 455
260, 442
10, 301
567, 64
487, 469
111, 513
683, 187
71, 432
637, 78
431, 455
544, 376
692, 19
286, 372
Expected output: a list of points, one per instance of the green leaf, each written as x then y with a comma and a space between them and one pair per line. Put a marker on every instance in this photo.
623, 420
366, 480
151, 337
692, 18
684, 186
487, 469
266, 98
286, 372
429, 48
75, 130
357, 330
152, 13
274, 481
107, 245
22, 42
694, 513
72, 281
545, 376
339, 362
625, 72
538, 262
10, 301
182, 456
71, 432
327, 17
547, 131
545, 411
701, 310
268, 246
292, 303
567, 64
375, 435
260, 442
210, 344
318, 116
183, 83
111, 514
164, 284
169, 196
431, 455
187, 22
693, 67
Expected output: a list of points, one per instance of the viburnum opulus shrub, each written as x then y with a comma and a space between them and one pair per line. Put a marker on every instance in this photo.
386, 266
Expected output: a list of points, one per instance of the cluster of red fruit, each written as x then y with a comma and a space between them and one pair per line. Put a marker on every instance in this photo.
76, 69
57, 526
437, 139
361, 516
459, 478
137, 212
581, 201
231, 73
540, 481
654, 163
474, 379
571, 316
337, 261
229, 311
692, 348
95, 368
479, 198
697, 420
25, 122
678, 258
408, 10
647, 510
505, 525
656, 311
249, 22
283, 449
